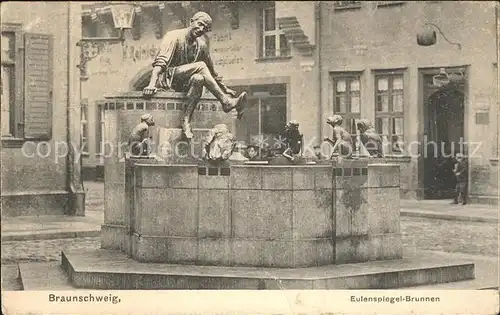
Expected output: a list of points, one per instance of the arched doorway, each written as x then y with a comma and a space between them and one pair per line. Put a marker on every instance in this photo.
444, 132
140, 80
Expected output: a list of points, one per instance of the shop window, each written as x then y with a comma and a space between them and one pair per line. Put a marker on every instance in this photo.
26, 85
389, 110
347, 100
265, 117
273, 42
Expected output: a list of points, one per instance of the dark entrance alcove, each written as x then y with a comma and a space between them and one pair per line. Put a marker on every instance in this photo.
444, 137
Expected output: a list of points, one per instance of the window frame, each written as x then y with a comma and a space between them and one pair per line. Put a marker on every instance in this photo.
84, 127
99, 137
389, 3
338, 6
348, 114
11, 65
16, 106
390, 114
276, 33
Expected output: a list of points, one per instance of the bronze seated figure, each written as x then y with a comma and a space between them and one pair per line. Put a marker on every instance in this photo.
183, 64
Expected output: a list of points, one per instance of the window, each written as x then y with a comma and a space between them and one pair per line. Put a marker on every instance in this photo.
347, 101
8, 84
26, 85
347, 4
84, 126
100, 128
265, 116
389, 107
273, 40
389, 3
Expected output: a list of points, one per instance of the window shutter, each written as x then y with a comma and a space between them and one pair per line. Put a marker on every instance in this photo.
38, 86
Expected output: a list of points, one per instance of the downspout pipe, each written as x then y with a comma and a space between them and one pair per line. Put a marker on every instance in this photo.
75, 189
69, 142
497, 31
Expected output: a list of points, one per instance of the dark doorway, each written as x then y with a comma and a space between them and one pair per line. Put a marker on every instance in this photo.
444, 136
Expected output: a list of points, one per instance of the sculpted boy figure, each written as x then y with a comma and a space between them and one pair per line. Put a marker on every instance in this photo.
294, 140
370, 138
139, 137
342, 140
219, 144
183, 64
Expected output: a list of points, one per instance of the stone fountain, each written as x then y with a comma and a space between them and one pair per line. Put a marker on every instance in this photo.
175, 222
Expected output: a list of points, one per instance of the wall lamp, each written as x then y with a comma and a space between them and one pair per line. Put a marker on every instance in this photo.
123, 18
444, 78
427, 37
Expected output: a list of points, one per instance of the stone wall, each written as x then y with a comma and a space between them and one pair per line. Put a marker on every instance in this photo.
367, 209
34, 173
253, 215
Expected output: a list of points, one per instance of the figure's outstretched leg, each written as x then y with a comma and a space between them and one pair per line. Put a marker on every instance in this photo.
194, 94
185, 72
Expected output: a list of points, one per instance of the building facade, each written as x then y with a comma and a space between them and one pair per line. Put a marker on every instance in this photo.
372, 67
40, 119
309, 60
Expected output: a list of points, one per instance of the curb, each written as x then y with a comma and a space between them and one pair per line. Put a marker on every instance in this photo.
50, 235
434, 215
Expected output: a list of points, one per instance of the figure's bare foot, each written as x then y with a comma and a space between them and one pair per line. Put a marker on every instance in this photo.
149, 91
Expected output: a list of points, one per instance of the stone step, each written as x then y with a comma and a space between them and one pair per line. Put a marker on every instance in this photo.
108, 269
43, 277
486, 271
10, 278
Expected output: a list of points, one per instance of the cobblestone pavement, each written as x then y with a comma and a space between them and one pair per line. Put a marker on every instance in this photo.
473, 238
44, 250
